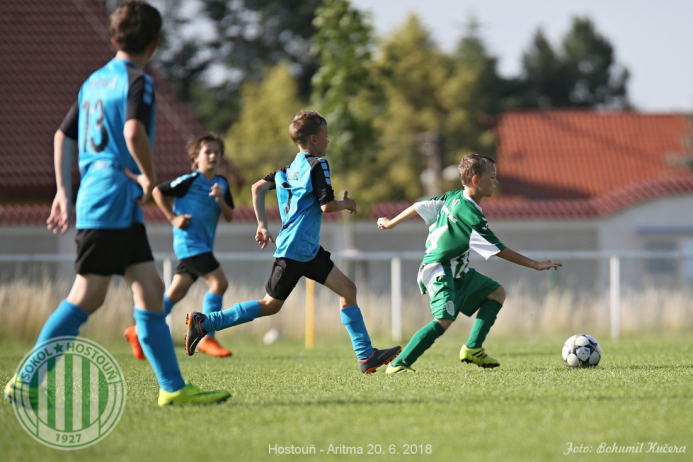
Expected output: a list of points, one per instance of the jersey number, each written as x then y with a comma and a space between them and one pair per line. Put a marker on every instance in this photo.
98, 107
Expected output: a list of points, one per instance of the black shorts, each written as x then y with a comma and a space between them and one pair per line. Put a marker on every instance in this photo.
110, 251
197, 265
287, 272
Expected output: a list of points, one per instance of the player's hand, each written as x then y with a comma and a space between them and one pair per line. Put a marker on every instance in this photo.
144, 182
263, 237
547, 265
61, 212
216, 192
383, 223
349, 202
181, 221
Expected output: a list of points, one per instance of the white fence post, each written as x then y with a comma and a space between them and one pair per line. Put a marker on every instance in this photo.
168, 278
615, 296
396, 296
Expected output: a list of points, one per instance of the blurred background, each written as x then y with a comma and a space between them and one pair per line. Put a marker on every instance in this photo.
586, 108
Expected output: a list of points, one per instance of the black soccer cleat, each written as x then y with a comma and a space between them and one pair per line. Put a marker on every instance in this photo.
195, 331
378, 358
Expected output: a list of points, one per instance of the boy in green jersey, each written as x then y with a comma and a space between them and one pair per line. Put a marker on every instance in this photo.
457, 225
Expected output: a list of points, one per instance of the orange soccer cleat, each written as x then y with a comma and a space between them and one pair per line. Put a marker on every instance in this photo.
210, 346
130, 335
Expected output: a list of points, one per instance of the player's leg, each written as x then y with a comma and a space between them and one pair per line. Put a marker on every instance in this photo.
283, 278
485, 297
155, 338
179, 287
369, 358
217, 283
440, 286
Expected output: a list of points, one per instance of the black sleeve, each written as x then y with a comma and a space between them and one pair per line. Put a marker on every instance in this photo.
227, 194
140, 100
70, 123
271, 176
322, 184
178, 187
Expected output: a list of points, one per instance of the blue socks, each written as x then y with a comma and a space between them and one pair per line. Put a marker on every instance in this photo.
156, 341
168, 305
65, 320
212, 304
353, 321
240, 313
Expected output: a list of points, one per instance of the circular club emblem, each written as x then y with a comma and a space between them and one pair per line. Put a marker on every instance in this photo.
68, 393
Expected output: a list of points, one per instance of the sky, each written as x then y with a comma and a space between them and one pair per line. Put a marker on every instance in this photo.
653, 39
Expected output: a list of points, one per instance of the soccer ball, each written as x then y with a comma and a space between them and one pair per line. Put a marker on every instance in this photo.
581, 350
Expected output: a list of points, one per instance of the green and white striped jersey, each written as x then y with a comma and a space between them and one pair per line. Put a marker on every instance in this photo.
457, 225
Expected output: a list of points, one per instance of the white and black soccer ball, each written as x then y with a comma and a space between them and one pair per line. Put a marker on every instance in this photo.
581, 350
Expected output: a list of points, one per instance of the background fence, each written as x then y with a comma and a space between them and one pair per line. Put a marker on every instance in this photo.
609, 307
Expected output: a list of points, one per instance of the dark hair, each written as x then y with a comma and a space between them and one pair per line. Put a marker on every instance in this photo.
195, 146
471, 165
305, 124
134, 25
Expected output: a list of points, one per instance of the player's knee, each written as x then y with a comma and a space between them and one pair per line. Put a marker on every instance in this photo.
350, 291
444, 323
270, 306
498, 295
221, 285
176, 294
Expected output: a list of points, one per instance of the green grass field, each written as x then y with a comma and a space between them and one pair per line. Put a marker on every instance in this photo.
283, 395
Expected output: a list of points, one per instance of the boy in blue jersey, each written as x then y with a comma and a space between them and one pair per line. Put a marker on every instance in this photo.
304, 191
113, 125
192, 203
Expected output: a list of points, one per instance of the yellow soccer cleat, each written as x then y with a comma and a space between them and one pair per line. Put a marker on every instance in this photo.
397, 369
10, 389
191, 394
478, 356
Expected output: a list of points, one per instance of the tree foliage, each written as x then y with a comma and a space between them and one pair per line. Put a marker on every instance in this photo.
259, 141
344, 87
583, 73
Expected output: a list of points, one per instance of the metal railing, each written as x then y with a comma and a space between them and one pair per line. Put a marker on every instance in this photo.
396, 258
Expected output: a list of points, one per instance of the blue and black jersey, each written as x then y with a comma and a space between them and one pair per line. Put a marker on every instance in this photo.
302, 188
191, 196
111, 96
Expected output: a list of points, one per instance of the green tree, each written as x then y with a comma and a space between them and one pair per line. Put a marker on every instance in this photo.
583, 73
344, 89
212, 47
426, 90
259, 141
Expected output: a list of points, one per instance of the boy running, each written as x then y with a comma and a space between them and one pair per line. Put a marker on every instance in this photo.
304, 192
113, 124
192, 203
457, 225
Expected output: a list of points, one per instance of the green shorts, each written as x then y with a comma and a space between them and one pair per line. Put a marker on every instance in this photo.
451, 296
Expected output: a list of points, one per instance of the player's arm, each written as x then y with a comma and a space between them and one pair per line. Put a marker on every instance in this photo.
165, 204
63, 146
137, 142
519, 259
138, 115
347, 203
222, 197
259, 189
386, 223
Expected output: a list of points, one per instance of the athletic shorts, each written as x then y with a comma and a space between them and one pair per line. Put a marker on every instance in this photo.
287, 272
110, 251
197, 265
451, 296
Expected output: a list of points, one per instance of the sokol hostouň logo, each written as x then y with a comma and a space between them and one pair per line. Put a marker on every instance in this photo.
69, 393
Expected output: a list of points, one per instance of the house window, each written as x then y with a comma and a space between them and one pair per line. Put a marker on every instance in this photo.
661, 265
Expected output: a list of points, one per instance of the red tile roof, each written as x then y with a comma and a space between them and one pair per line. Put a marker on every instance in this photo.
560, 154
48, 49
508, 207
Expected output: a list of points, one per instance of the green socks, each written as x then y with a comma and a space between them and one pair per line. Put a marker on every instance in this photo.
485, 318
420, 342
